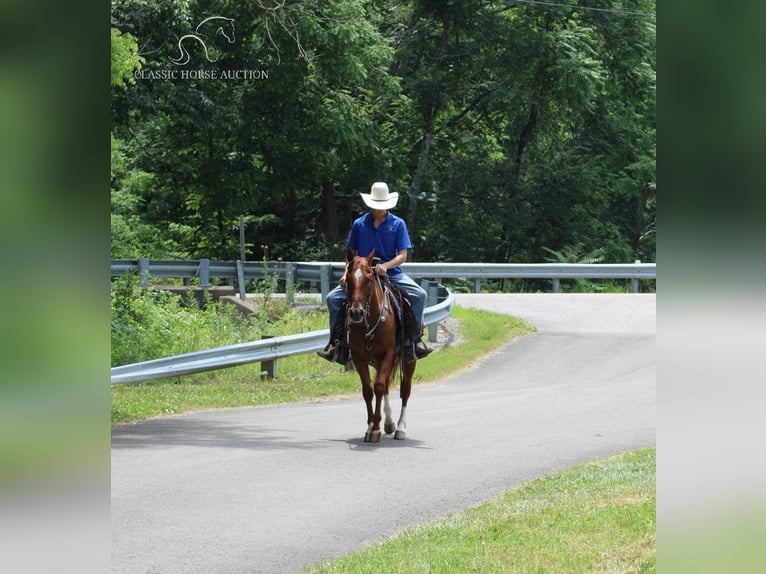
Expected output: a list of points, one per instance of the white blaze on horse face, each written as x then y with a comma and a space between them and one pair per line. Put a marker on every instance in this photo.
358, 274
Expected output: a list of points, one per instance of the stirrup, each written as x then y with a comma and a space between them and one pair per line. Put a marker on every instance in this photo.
416, 350
421, 350
330, 352
335, 352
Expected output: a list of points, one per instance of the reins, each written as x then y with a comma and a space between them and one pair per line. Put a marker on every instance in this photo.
383, 309
382, 316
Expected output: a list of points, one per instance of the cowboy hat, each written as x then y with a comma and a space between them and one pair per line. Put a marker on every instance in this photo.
379, 197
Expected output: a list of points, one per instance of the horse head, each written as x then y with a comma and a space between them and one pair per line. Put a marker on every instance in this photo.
359, 286
221, 25
227, 30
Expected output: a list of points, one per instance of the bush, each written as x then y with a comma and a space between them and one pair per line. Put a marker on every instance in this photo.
150, 324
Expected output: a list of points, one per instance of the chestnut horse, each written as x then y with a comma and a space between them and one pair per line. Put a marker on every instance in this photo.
371, 330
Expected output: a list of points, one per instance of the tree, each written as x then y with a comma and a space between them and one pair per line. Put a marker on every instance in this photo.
278, 150
125, 58
507, 128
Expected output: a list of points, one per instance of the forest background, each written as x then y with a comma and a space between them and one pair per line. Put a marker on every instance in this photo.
512, 129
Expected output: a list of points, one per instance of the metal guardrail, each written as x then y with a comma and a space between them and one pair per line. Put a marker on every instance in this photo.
326, 273
264, 350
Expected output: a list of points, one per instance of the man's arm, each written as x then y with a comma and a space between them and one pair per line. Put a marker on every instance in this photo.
401, 257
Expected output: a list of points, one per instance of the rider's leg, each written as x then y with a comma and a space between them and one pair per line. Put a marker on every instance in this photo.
334, 349
335, 299
417, 298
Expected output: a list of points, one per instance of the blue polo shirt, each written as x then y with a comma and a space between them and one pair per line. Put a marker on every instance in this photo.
388, 239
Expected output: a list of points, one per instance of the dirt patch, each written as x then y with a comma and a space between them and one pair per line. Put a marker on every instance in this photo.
447, 334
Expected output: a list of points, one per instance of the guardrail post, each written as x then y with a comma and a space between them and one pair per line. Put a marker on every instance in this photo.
432, 288
204, 273
143, 271
241, 280
325, 272
290, 270
477, 285
634, 280
556, 285
268, 368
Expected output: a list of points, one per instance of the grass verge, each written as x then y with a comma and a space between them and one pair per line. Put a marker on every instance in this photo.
597, 517
303, 377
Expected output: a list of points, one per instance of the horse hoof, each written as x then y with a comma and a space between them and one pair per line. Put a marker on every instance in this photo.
389, 428
400, 435
372, 436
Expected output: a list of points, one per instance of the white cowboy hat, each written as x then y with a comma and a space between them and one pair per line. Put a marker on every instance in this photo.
379, 197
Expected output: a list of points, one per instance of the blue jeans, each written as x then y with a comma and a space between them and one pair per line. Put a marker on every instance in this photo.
414, 292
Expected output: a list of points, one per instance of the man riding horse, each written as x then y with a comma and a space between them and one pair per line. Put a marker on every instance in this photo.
387, 234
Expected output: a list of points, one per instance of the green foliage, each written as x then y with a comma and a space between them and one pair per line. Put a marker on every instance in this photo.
506, 129
125, 58
150, 324
265, 288
573, 254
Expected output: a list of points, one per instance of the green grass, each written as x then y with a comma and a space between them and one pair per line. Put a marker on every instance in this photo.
303, 377
598, 517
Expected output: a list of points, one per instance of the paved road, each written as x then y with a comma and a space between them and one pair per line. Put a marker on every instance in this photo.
271, 489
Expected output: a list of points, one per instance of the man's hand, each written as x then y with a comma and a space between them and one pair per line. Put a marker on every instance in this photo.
381, 268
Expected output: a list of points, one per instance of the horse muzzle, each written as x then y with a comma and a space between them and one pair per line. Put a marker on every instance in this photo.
355, 315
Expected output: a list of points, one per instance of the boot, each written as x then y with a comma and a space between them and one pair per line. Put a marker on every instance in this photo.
421, 350
335, 352
416, 350
330, 352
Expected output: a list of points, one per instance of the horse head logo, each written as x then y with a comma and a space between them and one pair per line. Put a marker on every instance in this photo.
210, 28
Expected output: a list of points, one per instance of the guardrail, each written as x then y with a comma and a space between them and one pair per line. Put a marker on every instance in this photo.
326, 273
266, 351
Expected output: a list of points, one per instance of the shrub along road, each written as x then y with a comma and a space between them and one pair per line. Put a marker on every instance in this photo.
271, 489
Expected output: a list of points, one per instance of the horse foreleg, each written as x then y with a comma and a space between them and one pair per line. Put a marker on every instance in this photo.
389, 425
367, 393
404, 392
381, 392
374, 432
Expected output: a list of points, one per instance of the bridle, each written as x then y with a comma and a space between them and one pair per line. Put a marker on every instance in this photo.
370, 331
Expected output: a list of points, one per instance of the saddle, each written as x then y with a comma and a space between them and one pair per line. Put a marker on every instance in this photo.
406, 325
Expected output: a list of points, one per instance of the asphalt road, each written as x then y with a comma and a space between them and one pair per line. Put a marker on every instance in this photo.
272, 489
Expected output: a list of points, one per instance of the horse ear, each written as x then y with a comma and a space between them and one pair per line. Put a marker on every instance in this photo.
371, 255
349, 255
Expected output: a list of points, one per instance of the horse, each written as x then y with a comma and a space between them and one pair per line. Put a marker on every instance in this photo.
225, 27
371, 330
